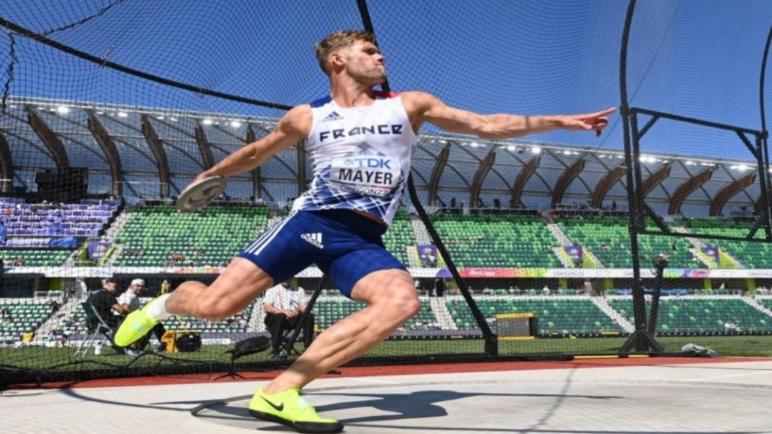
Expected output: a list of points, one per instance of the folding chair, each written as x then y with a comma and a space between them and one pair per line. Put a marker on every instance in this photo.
290, 336
98, 330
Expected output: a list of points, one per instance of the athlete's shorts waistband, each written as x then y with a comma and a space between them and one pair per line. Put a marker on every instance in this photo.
354, 221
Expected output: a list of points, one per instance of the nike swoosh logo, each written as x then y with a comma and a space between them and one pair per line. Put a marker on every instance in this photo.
279, 407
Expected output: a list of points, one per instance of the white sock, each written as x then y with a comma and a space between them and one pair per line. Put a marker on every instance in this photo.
157, 308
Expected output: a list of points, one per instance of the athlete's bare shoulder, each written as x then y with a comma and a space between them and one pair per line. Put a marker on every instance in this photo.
416, 105
417, 100
297, 121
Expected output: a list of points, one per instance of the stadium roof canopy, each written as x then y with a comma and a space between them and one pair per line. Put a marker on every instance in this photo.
143, 153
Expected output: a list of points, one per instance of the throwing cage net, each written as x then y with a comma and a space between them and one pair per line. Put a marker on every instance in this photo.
545, 246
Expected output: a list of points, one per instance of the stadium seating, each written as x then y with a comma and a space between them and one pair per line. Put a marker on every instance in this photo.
752, 255
19, 316
24, 220
400, 236
497, 241
556, 315
33, 257
71, 324
608, 239
331, 309
702, 315
158, 235
233, 324
31, 228
766, 302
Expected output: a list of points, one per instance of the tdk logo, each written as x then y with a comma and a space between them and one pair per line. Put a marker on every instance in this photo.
339, 133
368, 163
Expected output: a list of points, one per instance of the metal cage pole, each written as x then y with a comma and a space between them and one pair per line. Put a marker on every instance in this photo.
640, 339
491, 342
761, 140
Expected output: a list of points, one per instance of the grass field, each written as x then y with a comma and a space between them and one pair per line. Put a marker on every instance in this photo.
62, 359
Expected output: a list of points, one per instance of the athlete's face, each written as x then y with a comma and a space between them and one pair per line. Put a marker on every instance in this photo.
364, 63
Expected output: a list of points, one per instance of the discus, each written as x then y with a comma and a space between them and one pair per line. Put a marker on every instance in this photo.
199, 194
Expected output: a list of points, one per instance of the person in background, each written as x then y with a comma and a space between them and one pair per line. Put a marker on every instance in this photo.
104, 303
283, 305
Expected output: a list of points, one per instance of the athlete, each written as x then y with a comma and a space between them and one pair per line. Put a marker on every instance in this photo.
360, 142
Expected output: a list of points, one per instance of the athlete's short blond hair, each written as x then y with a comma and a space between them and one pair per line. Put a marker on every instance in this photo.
336, 41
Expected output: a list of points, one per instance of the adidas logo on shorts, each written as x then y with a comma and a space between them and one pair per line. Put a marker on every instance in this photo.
334, 116
314, 238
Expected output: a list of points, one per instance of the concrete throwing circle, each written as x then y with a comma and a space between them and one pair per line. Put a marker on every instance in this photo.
503, 405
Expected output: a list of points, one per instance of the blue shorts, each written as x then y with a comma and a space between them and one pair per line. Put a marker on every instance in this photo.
343, 244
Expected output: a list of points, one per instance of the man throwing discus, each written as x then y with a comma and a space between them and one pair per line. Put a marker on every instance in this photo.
361, 144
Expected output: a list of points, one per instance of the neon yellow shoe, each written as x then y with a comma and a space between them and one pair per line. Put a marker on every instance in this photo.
290, 409
136, 325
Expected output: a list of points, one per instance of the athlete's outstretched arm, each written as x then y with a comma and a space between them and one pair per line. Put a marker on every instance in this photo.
428, 108
292, 127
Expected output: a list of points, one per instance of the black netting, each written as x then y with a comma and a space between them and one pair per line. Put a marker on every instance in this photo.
110, 108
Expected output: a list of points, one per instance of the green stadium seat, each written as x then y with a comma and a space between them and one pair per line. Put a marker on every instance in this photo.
608, 239
701, 315
21, 316
521, 241
209, 237
750, 254
34, 257
400, 237
555, 315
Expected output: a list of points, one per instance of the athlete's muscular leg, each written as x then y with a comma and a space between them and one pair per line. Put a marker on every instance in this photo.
391, 300
229, 294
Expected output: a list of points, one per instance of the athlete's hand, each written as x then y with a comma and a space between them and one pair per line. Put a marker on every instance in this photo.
204, 175
199, 177
589, 121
